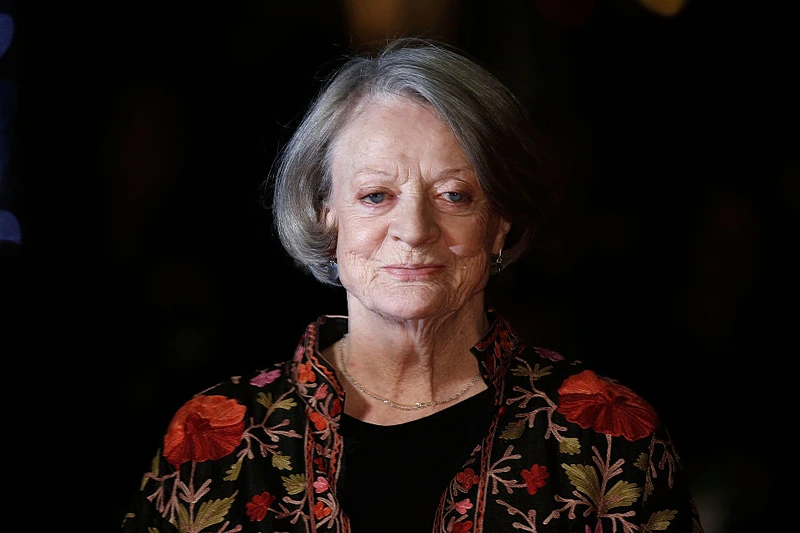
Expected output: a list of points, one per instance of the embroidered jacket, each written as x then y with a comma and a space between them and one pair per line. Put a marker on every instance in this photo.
567, 451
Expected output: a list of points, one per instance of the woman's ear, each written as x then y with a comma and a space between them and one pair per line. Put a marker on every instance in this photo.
328, 217
500, 237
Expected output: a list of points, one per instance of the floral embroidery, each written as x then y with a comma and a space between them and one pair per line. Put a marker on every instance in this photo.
336, 407
305, 373
258, 506
204, 429
265, 378
549, 354
467, 478
463, 506
565, 452
318, 420
320, 485
321, 510
535, 478
461, 527
607, 407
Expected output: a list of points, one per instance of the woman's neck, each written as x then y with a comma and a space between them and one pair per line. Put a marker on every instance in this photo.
407, 362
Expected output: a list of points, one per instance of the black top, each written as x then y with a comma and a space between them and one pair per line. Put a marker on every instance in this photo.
393, 476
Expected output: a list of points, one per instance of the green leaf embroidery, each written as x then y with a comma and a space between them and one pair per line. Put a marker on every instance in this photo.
660, 520
294, 484
642, 462
570, 446
264, 399
513, 431
183, 519
286, 404
156, 462
584, 478
622, 494
520, 370
212, 512
536, 373
541, 372
282, 462
233, 472
648, 488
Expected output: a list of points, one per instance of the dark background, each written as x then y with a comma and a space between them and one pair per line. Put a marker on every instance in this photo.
147, 269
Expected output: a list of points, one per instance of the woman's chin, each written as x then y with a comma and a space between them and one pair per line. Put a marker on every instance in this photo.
411, 308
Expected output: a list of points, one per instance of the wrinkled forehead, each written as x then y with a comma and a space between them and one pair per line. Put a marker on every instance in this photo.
368, 103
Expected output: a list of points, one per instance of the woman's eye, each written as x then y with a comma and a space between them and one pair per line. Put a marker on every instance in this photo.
455, 197
375, 198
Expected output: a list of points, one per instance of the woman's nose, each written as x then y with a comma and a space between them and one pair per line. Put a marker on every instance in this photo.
415, 221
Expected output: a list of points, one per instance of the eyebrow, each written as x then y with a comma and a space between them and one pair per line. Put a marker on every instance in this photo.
369, 170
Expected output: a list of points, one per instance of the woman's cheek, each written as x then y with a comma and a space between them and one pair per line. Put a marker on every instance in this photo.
467, 249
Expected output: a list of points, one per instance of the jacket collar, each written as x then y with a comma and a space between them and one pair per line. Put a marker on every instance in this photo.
316, 379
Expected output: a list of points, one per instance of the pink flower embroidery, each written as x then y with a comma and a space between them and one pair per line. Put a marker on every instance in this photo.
265, 377
298, 353
322, 391
320, 485
463, 506
549, 354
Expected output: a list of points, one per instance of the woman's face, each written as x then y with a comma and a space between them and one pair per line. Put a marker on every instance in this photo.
415, 231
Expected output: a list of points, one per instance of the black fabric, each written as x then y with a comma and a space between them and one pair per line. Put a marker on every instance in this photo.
393, 476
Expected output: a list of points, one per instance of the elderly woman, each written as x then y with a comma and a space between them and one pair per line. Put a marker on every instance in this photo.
413, 177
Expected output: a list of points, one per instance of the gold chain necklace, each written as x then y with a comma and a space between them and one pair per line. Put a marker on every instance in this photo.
397, 405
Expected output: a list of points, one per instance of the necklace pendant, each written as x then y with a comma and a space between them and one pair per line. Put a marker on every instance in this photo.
418, 405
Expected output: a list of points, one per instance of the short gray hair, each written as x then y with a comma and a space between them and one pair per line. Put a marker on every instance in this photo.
510, 161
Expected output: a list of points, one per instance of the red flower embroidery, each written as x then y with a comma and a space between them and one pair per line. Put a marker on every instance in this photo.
305, 373
607, 407
336, 407
318, 420
467, 478
321, 510
204, 429
535, 477
461, 527
258, 506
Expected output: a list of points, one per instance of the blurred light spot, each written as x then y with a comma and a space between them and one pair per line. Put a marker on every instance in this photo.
665, 8
376, 20
6, 32
9, 228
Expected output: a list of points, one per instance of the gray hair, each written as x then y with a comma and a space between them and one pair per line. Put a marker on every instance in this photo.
491, 125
